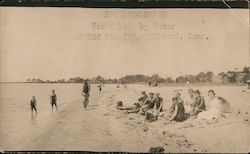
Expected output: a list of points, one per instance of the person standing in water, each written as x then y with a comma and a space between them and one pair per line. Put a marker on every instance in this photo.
53, 100
33, 105
86, 92
100, 87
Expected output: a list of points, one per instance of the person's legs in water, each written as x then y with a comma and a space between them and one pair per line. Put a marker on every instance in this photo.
31, 108
35, 110
53, 104
56, 107
86, 101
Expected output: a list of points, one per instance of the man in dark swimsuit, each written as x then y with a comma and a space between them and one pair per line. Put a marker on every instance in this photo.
33, 105
53, 100
86, 92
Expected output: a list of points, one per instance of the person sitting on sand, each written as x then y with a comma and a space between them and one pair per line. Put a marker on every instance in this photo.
215, 107
158, 103
144, 97
33, 105
158, 108
171, 110
148, 104
179, 111
189, 101
199, 104
135, 108
53, 100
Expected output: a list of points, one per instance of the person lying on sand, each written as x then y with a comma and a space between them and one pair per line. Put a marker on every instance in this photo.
33, 105
135, 108
179, 111
199, 104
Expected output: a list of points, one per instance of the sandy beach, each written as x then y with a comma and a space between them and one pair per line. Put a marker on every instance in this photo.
104, 128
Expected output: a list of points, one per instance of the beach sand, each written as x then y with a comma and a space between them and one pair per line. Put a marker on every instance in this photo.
104, 128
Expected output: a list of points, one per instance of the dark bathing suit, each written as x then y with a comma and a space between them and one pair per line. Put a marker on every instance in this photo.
180, 113
143, 98
33, 104
53, 99
150, 103
200, 103
158, 102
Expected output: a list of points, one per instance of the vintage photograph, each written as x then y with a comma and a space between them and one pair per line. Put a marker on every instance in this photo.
124, 80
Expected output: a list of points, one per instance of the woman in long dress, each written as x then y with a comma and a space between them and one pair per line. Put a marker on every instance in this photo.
215, 107
189, 101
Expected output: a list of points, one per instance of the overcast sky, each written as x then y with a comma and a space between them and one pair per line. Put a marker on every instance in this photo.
44, 43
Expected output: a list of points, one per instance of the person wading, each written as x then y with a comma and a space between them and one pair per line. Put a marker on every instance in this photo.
86, 92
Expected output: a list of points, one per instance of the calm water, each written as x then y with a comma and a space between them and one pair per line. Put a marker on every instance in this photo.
15, 115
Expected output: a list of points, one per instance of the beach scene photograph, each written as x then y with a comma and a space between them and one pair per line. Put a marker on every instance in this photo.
124, 80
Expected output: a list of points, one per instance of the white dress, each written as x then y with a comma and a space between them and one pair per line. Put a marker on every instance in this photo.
188, 101
213, 110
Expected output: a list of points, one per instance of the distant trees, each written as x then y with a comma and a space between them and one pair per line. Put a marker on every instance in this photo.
75, 80
202, 77
35, 80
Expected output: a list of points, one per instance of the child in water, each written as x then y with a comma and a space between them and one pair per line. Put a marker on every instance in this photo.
53, 100
33, 105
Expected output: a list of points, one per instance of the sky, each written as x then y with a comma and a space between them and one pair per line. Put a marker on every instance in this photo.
57, 43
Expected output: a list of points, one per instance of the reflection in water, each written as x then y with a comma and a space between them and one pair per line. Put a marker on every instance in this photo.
33, 119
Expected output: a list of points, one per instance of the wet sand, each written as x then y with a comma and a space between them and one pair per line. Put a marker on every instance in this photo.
104, 128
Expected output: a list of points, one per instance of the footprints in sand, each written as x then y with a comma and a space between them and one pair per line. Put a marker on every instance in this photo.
108, 104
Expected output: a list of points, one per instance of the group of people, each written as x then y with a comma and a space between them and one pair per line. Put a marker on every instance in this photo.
193, 105
214, 108
151, 105
53, 98
147, 104
53, 102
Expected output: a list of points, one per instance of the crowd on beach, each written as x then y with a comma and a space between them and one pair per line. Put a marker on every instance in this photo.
193, 105
151, 105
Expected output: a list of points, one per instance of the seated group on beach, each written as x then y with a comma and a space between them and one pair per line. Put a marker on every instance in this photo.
193, 105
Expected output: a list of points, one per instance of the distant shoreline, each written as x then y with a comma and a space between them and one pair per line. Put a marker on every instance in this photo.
142, 83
